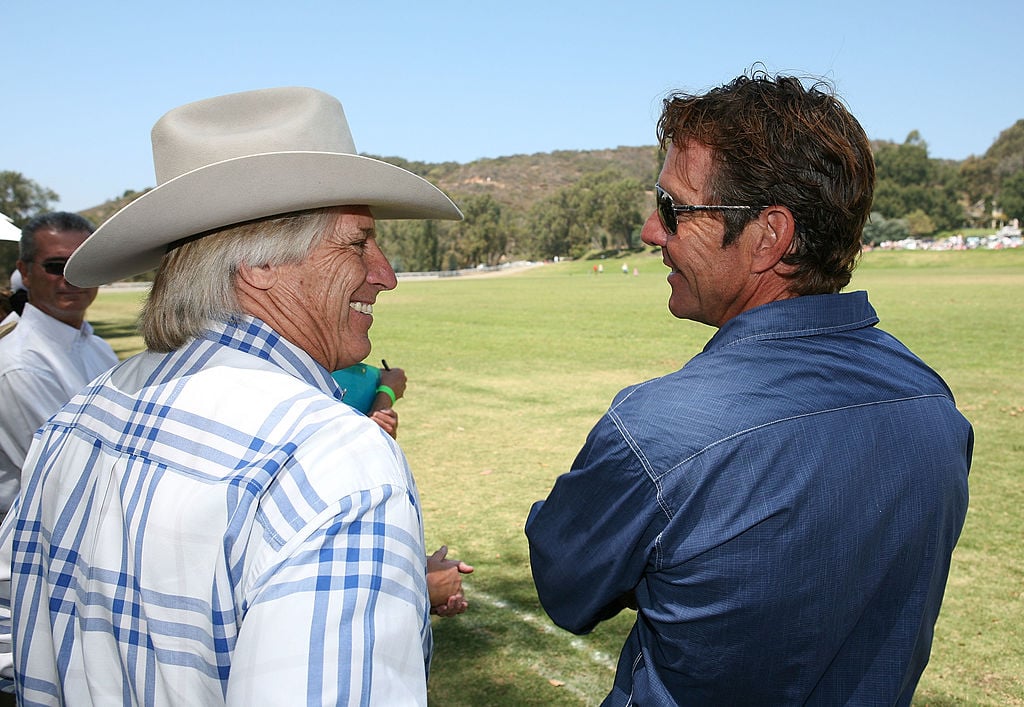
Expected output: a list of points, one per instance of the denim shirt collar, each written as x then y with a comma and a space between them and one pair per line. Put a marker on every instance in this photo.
795, 317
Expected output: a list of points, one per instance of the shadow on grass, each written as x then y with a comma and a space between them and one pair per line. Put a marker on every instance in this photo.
505, 651
114, 328
491, 656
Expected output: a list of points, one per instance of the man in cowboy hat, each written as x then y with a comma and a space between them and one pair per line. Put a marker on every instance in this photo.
209, 522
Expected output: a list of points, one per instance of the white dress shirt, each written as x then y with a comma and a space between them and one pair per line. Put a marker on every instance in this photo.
43, 362
215, 526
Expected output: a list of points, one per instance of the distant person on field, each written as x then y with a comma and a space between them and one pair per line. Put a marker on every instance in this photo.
208, 523
781, 511
52, 352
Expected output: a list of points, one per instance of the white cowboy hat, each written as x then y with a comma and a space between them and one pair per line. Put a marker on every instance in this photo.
246, 156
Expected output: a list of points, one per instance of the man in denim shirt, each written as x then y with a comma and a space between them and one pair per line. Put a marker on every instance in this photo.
782, 510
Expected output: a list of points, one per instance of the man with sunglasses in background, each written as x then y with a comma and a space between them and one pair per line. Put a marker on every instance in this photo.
781, 511
52, 352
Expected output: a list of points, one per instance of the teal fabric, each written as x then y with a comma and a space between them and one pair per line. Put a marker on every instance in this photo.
359, 385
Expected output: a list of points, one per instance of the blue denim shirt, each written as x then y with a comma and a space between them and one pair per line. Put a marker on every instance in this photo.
782, 509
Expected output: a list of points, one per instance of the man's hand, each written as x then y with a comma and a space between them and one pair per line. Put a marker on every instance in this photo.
387, 419
444, 583
395, 379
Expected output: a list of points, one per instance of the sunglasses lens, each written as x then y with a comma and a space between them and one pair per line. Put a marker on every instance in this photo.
54, 268
665, 212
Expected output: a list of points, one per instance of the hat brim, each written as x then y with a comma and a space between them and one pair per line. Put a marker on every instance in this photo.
134, 239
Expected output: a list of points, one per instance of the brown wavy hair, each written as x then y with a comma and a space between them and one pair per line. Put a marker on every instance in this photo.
777, 142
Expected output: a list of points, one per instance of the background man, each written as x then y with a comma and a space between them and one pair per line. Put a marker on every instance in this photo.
781, 511
52, 352
15, 301
209, 522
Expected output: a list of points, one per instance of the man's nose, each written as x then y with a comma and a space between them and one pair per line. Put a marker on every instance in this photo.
653, 233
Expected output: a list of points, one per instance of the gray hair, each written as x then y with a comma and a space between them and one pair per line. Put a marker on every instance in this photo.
55, 221
195, 283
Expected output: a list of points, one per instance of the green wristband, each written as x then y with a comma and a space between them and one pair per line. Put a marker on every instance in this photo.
390, 393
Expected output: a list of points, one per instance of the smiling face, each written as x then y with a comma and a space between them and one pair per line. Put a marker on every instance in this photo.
324, 304
710, 284
50, 292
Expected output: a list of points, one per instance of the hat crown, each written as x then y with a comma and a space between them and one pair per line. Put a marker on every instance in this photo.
246, 156
291, 119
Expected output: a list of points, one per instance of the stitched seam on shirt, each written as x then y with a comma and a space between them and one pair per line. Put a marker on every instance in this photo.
796, 417
644, 462
632, 677
768, 335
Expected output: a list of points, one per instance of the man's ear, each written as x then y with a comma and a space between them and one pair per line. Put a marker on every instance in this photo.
258, 277
23, 268
775, 238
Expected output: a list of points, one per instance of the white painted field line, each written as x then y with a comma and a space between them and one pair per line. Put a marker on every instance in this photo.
544, 624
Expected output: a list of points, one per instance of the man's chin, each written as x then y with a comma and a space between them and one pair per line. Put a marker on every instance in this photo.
353, 355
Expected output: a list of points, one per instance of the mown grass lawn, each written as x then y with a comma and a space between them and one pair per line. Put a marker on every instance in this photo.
508, 373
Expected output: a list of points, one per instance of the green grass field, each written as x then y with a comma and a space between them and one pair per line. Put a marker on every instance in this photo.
508, 373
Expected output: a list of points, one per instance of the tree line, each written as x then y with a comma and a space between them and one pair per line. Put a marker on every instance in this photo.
915, 196
604, 209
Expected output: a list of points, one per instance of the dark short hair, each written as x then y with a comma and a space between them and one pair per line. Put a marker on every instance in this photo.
777, 142
54, 221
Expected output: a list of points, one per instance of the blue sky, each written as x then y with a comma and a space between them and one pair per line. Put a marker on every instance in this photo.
460, 80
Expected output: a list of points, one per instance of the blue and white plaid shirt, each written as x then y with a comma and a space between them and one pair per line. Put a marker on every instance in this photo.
214, 526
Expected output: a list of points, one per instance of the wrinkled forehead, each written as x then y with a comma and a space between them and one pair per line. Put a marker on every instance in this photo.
352, 221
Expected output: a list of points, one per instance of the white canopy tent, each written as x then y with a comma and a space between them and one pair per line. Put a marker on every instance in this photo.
8, 231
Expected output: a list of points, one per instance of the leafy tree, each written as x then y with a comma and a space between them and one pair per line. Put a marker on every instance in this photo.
920, 224
879, 229
979, 178
599, 210
481, 237
1011, 196
620, 212
1007, 152
905, 164
426, 251
411, 246
982, 177
22, 199
551, 222
888, 201
908, 182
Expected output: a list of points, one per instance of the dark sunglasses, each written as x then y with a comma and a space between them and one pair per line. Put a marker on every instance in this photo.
668, 209
54, 267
